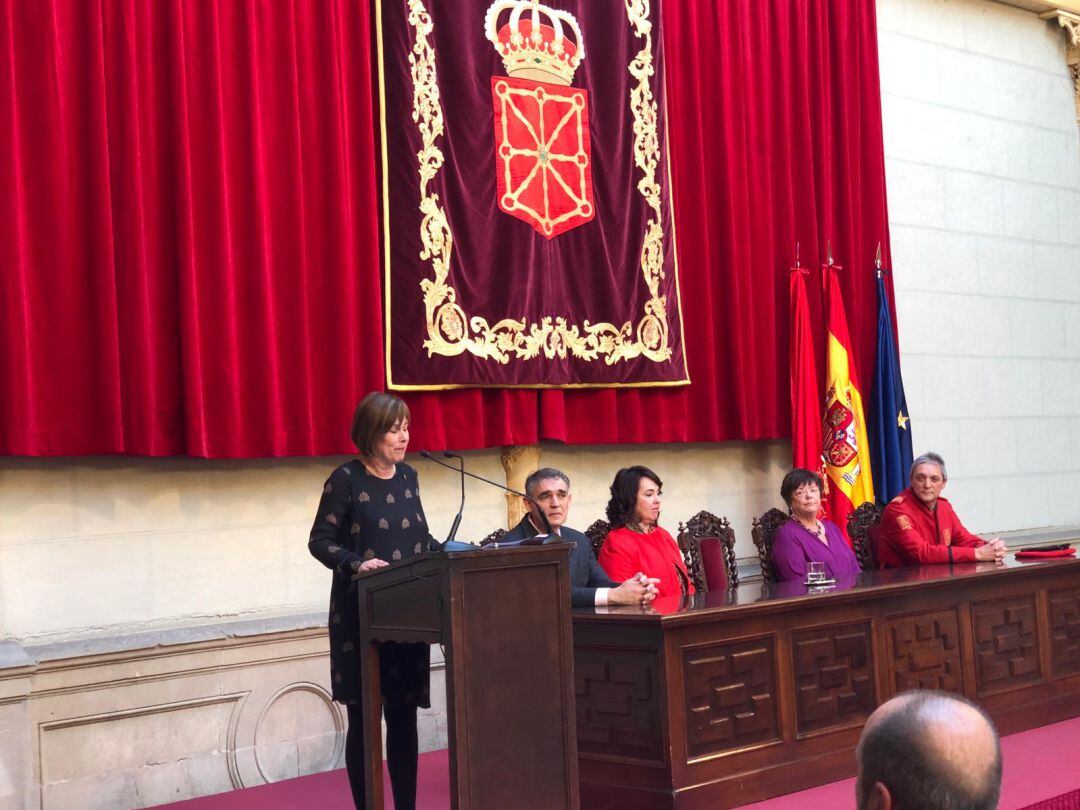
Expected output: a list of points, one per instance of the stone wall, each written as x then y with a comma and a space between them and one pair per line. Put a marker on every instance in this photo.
983, 171
108, 546
135, 721
165, 617
136, 677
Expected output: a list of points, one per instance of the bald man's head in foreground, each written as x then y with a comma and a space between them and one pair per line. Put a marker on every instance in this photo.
928, 751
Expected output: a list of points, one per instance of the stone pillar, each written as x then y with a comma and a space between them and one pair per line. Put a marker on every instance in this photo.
1071, 23
518, 461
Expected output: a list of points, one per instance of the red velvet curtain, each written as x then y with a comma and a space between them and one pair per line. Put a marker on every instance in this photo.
189, 256
189, 228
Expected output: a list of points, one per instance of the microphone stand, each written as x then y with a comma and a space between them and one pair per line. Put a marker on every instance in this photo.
457, 518
463, 472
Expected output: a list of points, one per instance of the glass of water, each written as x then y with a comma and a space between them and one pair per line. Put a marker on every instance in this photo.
815, 572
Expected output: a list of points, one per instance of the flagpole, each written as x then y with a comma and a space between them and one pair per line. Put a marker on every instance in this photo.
804, 381
891, 445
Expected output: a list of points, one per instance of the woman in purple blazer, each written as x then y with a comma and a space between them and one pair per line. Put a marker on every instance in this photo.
805, 538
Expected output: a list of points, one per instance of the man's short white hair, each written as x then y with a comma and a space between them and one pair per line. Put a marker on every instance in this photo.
930, 458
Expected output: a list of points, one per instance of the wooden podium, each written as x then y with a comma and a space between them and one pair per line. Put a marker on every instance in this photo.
503, 618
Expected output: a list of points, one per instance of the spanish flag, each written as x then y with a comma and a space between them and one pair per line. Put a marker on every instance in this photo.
844, 445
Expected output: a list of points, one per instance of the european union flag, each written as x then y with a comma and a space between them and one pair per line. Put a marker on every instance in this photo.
890, 428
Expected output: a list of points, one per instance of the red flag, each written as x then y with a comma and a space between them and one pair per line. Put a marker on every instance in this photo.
843, 437
805, 387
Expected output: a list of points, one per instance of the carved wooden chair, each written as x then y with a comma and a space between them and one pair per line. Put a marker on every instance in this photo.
494, 537
763, 531
596, 533
707, 543
864, 529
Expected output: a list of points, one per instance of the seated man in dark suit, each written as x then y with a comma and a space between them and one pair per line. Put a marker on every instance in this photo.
589, 585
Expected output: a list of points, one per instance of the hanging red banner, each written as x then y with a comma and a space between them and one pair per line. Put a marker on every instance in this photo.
529, 240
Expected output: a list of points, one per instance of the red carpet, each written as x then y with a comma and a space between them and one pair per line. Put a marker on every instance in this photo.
1070, 801
328, 791
1042, 772
1040, 765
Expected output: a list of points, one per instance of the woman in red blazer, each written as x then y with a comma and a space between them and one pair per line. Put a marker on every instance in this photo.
636, 542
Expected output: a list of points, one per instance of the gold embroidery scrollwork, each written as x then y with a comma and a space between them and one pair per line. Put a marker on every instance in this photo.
652, 329
450, 331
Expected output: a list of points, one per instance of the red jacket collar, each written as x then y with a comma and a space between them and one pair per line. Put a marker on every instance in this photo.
909, 495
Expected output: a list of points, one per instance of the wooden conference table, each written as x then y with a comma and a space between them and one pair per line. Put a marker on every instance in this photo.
732, 697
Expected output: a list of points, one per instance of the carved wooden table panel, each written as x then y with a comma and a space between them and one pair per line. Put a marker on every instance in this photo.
1065, 632
924, 651
833, 670
618, 703
1006, 644
728, 698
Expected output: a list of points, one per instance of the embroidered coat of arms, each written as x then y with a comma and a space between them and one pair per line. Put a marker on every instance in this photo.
543, 159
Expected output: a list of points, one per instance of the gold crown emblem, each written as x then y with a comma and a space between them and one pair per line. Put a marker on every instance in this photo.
533, 42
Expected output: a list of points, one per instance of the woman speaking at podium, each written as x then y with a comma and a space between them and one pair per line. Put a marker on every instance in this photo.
369, 516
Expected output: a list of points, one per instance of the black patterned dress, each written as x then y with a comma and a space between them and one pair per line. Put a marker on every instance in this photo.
363, 517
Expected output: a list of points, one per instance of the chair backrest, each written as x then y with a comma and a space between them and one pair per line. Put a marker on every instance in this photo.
873, 543
596, 533
707, 543
763, 531
864, 529
494, 537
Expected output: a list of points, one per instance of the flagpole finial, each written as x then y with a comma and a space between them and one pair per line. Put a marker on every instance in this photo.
828, 252
798, 268
877, 260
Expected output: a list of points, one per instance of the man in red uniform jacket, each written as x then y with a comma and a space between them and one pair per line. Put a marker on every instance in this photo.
919, 527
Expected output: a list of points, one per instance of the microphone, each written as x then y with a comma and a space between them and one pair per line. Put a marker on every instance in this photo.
457, 518
430, 457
